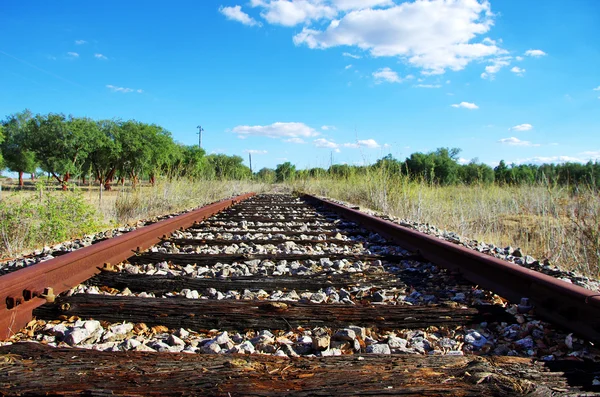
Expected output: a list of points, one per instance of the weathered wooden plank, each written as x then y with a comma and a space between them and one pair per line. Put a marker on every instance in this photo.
204, 259
353, 232
240, 315
313, 283
34, 369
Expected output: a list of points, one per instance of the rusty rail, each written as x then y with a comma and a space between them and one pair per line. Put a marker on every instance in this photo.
572, 307
25, 289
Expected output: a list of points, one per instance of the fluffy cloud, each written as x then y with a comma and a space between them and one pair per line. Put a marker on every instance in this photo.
235, 13
512, 141
597, 88
346, 5
328, 127
550, 159
387, 75
292, 13
348, 67
253, 151
73, 54
276, 130
80, 42
294, 140
434, 35
465, 105
495, 66
347, 54
368, 143
521, 127
535, 53
518, 71
100, 56
428, 86
324, 143
123, 90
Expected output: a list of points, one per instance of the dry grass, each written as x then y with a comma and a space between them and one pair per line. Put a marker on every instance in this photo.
43, 215
545, 222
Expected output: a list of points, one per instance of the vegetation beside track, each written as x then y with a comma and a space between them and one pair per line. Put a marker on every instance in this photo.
129, 170
544, 221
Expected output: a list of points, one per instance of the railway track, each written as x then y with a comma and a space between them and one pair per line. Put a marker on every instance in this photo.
284, 295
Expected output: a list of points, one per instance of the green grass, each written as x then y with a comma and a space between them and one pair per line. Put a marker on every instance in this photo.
31, 219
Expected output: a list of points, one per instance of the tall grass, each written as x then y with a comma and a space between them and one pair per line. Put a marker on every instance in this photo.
546, 222
32, 219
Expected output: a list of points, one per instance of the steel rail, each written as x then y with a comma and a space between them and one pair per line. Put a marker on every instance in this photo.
559, 302
25, 289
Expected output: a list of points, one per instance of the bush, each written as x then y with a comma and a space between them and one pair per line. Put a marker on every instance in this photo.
28, 223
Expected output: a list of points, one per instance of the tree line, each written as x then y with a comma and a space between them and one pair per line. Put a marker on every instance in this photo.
442, 167
67, 147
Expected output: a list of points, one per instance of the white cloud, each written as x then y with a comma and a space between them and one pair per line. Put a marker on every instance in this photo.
73, 54
535, 53
434, 35
346, 5
294, 140
348, 67
428, 86
80, 42
519, 58
593, 155
235, 13
550, 159
347, 54
276, 130
100, 56
123, 90
597, 88
496, 65
463, 161
518, 71
370, 143
328, 127
386, 74
512, 141
324, 143
465, 105
292, 13
253, 151
521, 127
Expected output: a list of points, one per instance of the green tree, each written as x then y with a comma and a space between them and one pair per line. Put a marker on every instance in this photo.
17, 157
106, 154
266, 175
285, 172
60, 144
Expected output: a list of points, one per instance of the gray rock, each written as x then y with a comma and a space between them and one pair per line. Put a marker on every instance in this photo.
182, 333
379, 348
173, 340
361, 332
345, 334
222, 338
525, 343
396, 343
211, 347
475, 339
246, 347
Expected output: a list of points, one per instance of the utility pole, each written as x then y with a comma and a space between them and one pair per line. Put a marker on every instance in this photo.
200, 129
250, 158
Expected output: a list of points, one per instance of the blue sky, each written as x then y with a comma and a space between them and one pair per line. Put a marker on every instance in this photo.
303, 81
